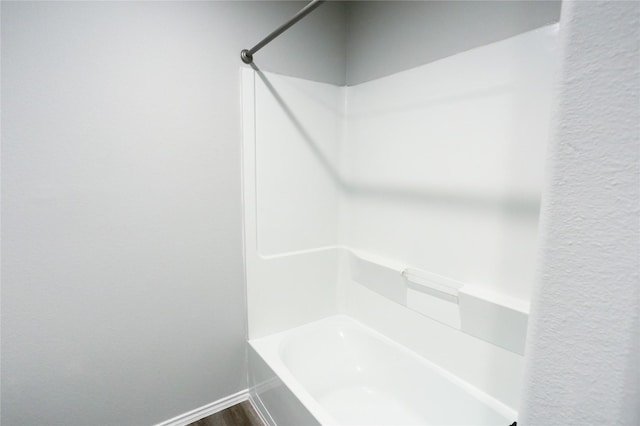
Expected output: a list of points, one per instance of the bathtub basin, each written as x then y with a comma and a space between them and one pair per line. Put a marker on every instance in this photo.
345, 373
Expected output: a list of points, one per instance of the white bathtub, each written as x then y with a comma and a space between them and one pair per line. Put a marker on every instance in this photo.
345, 373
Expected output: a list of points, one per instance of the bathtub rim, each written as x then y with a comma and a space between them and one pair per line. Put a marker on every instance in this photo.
270, 347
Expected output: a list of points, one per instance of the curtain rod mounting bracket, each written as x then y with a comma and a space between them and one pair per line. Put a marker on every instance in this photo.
247, 54
246, 57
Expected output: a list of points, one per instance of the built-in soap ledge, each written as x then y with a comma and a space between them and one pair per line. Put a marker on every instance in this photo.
474, 310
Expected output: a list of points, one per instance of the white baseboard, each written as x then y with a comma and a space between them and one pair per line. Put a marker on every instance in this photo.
209, 409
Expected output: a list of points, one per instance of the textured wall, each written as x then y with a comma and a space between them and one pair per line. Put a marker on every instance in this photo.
122, 276
385, 37
583, 346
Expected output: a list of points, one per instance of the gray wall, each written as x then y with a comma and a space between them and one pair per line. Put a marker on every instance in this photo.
122, 275
583, 363
385, 37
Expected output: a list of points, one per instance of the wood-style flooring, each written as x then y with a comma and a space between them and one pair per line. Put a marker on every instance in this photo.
241, 414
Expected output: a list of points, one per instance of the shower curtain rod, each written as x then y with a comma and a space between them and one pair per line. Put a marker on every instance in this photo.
247, 54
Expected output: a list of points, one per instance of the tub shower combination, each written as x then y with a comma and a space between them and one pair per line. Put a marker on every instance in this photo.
390, 231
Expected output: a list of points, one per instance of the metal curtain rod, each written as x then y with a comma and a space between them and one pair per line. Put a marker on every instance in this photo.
247, 54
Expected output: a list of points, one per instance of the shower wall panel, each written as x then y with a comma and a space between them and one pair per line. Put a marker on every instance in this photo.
444, 163
292, 130
298, 130
444, 166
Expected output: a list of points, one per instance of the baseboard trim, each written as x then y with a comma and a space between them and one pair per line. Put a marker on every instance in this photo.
207, 410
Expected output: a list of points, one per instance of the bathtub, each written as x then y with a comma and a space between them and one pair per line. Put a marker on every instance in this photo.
344, 373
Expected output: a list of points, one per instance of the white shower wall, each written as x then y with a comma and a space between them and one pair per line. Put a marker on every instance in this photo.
445, 163
437, 168
298, 131
292, 129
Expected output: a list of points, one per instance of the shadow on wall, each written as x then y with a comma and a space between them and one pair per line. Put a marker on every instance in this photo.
520, 207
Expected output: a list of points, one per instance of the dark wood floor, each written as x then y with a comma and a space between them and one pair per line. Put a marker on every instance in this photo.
241, 414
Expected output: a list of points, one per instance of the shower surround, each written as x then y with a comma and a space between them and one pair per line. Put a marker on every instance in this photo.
407, 205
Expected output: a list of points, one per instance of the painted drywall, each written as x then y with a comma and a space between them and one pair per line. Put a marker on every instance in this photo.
122, 273
583, 363
385, 37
